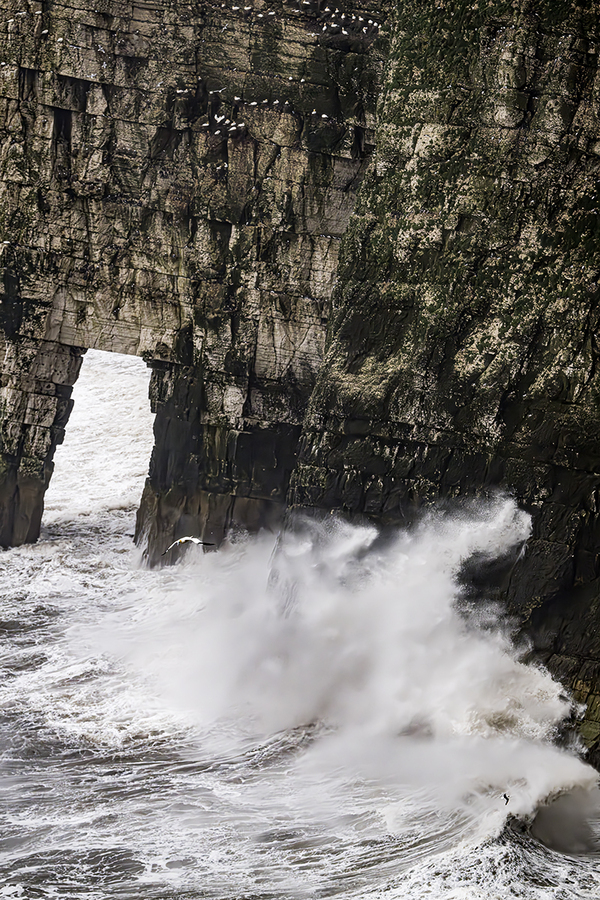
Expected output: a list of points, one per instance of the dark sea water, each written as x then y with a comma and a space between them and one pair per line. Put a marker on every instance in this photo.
307, 719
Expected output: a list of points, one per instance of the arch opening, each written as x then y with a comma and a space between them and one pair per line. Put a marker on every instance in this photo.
101, 467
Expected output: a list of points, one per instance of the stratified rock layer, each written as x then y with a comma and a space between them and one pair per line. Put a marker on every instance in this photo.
464, 338
175, 181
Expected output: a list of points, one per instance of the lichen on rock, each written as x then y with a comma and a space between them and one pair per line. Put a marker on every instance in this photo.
462, 354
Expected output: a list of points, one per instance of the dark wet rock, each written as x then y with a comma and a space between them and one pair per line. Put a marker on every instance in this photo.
463, 352
239, 194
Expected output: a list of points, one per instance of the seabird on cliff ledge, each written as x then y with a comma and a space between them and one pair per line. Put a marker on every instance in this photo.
184, 540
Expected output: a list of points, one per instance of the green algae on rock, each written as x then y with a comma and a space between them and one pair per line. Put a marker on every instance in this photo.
462, 351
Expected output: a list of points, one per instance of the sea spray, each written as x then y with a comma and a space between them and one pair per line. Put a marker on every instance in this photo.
360, 642
142, 750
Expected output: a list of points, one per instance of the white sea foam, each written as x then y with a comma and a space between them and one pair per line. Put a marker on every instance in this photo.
289, 718
406, 690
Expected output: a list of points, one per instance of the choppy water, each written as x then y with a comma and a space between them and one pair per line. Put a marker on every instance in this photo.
321, 722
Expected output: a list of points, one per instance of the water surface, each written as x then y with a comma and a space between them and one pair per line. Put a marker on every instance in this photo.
311, 719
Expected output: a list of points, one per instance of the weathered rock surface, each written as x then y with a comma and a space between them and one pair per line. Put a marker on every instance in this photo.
464, 339
175, 181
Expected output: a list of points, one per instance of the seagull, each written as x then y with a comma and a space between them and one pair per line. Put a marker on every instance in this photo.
184, 540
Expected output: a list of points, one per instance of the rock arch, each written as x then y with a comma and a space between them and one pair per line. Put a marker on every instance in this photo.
174, 183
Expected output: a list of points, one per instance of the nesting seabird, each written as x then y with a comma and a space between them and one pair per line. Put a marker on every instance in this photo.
185, 540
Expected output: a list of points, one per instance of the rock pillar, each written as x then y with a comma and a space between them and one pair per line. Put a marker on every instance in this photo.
36, 379
209, 477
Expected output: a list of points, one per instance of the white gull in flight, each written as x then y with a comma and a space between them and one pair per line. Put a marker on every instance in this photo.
184, 540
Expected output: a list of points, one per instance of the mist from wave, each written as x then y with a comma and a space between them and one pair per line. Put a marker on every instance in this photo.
399, 686
301, 716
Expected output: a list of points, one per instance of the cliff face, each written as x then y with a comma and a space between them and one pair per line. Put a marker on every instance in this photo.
175, 181
463, 351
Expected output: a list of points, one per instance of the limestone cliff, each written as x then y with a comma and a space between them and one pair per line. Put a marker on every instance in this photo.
463, 351
175, 179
